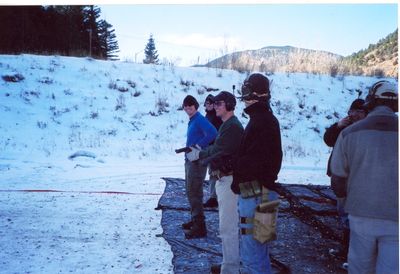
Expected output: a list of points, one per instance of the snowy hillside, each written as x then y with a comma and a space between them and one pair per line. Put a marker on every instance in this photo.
85, 144
117, 110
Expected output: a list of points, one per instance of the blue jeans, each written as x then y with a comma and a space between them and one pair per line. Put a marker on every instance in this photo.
343, 216
374, 246
253, 254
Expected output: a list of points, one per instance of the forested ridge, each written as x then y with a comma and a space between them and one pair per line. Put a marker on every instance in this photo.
62, 30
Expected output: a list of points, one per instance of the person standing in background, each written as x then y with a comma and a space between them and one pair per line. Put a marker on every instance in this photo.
220, 155
255, 171
217, 122
200, 133
365, 171
355, 113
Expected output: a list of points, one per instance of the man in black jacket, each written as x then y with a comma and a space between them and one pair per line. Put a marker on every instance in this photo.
355, 113
256, 169
217, 122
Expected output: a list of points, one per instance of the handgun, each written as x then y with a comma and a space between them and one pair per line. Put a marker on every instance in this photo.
184, 149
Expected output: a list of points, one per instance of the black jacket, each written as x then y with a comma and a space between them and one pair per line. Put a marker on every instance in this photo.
260, 151
213, 118
330, 137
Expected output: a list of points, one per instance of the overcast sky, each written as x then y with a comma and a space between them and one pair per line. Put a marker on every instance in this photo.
187, 34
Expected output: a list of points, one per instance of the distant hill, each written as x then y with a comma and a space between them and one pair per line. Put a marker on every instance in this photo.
277, 59
378, 60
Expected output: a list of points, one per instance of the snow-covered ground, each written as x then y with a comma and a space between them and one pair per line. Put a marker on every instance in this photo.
85, 144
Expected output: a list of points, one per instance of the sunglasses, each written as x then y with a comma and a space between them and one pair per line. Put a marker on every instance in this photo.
219, 103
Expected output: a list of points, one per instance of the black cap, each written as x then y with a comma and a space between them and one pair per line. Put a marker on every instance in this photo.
210, 99
228, 98
357, 104
259, 83
190, 101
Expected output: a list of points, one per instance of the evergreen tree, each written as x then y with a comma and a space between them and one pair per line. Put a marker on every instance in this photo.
151, 56
109, 44
56, 29
92, 14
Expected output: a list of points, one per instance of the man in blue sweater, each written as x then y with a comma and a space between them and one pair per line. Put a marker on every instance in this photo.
200, 133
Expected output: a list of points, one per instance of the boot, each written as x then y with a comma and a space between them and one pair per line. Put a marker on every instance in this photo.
187, 226
215, 269
198, 229
212, 202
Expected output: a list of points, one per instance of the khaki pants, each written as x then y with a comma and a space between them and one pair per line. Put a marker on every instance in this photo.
228, 225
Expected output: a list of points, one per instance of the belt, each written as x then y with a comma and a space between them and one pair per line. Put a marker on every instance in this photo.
253, 189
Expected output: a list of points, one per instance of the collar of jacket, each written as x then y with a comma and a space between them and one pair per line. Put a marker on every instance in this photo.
255, 108
381, 110
194, 116
212, 112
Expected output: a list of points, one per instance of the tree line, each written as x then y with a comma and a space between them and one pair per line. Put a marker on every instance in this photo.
62, 30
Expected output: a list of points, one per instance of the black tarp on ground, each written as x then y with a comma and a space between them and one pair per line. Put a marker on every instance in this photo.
307, 228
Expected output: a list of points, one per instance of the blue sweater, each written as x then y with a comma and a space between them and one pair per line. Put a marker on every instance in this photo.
200, 131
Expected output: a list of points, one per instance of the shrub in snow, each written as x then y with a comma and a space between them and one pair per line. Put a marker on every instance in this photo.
131, 83
68, 92
13, 78
82, 153
186, 83
208, 89
136, 93
316, 129
336, 114
112, 85
162, 105
123, 89
378, 73
120, 102
41, 124
94, 115
201, 91
46, 80
333, 70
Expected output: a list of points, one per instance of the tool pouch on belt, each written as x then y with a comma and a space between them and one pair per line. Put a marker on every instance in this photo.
265, 221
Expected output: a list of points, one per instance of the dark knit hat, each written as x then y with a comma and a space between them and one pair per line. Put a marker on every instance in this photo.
259, 83
210, 99
190, 101
357, 104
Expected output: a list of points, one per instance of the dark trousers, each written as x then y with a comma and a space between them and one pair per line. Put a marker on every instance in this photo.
195, 174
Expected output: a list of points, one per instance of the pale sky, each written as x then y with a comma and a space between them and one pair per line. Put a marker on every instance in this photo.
188, 34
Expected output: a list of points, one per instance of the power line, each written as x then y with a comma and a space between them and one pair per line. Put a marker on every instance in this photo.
165, 42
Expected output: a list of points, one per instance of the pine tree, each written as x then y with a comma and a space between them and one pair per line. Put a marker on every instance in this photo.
151, 56
92, 13
109, 44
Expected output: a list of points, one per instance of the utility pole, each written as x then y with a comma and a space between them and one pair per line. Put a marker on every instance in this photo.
90, 42
137, 54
